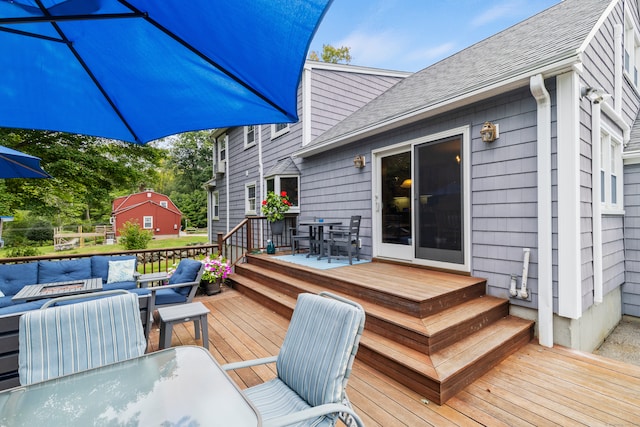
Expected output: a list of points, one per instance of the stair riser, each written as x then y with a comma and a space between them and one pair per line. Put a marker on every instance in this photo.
278, 285
264, 300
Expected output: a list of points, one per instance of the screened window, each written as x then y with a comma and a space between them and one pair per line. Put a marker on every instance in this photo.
215, 202
249, 136
279, 130
250, 199
611, 171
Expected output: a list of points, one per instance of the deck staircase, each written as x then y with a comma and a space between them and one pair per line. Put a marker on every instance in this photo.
432, 331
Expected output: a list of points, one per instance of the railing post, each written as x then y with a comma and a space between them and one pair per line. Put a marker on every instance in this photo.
249, 235
221, 250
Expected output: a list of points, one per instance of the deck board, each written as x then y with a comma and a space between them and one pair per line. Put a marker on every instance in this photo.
533, 386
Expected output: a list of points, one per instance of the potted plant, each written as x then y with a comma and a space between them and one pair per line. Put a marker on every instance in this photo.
274, 208
216, 269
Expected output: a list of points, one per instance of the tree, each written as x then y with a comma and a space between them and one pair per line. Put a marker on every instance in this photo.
332, 54
87, 173
191, 161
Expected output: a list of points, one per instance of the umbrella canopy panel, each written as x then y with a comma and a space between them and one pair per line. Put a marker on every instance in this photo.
15, 164
139, 70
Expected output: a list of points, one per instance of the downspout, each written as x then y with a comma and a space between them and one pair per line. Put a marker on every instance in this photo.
260, 177
596, 206
226, 181
545, 260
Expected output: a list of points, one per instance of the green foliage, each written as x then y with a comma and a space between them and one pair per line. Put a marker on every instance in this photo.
22, 251
275, 206
87, 172
193, 207
40, 231
132, 236
333, 55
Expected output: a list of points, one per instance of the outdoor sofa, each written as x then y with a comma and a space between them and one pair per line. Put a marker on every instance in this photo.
14, 276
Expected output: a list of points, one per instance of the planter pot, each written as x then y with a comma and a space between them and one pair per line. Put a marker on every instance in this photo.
212, 288
277, 227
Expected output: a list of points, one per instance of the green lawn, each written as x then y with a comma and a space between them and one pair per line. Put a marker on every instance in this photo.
96, 249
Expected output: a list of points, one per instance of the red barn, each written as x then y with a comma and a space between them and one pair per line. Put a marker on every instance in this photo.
153, 211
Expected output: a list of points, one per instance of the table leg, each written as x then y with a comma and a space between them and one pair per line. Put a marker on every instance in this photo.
321, 239
166, 330
205, 332
196, 326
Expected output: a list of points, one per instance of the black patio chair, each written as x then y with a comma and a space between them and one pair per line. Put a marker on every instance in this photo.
301, 233
345, 238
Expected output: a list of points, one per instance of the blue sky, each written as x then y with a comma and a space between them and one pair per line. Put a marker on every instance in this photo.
410, 35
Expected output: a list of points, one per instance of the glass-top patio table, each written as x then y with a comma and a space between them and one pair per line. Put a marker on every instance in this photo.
178, 386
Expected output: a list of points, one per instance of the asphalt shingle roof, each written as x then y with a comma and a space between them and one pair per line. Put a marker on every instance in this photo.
542, 40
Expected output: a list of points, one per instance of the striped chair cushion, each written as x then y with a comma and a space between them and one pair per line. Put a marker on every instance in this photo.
314, 356
66, 339
274, 399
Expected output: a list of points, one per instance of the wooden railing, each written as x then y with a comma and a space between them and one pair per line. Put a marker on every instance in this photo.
252, 235
149, 260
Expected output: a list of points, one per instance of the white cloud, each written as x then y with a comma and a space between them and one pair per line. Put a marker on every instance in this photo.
497, 12
433, 52
373, 48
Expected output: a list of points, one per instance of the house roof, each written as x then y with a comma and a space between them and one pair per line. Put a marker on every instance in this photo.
548, 43
137, 205
284, 166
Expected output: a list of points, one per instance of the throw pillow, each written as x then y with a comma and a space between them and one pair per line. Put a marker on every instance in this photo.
1, 294
121, 271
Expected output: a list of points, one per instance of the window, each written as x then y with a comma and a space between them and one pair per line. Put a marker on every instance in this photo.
164, 203
249, 136
215, 205
250, 198
147, 222
279, 130
631, 50
611, 171
290, 184
221, 162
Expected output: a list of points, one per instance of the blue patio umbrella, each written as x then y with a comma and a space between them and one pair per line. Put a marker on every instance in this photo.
15, 164
138, 70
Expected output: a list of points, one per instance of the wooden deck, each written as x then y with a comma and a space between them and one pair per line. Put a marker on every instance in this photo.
535, 386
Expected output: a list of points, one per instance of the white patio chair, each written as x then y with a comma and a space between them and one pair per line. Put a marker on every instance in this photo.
313, 365
56, 341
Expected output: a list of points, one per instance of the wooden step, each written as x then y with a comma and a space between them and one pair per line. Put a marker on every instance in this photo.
427, 335
440, 376
414, 291
460, 334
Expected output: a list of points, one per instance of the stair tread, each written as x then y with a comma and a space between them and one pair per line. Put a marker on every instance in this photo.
428, 326
447, 362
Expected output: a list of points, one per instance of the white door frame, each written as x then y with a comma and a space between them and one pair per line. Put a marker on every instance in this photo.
406, 253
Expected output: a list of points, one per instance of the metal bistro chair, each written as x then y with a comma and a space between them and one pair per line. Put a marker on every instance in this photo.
56, 341
313, 365
301, 233
347, 238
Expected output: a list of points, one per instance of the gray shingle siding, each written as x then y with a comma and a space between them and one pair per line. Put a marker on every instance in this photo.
631, 288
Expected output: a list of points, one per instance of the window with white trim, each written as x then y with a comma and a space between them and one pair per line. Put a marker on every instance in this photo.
221, 161
250, 198
279, 129
147, 222
288, 183
631, 50
215, 205
610, 171
164, 203
249, 136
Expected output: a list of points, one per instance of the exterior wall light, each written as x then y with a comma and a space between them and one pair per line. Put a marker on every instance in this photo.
489, 132
359, 161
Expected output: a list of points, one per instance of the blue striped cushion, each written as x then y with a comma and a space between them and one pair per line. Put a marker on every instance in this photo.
66, 339
314, 356
274, 399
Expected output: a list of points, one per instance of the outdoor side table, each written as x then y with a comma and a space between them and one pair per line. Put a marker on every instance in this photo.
145, 279
174, 314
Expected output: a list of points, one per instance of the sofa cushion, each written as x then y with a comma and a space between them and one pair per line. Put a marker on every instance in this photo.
121, 271
100, 264
23, 306
14, 277
62, 271
128, 285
